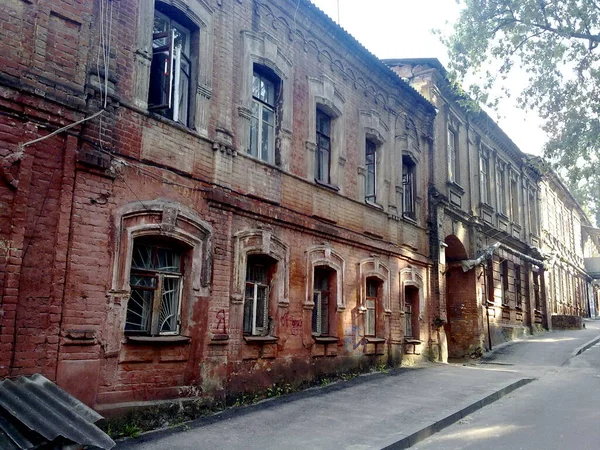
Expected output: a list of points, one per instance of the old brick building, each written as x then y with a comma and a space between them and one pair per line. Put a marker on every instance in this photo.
484, 205
241, 200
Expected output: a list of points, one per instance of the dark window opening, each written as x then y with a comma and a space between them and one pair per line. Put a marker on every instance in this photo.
323, 151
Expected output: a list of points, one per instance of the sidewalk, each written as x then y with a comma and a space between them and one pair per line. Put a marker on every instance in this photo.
376, 411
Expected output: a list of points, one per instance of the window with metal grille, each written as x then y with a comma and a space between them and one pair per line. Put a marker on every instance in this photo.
323, 152
256, 300
409, 188
265, 86
322, 297
372, 291
371, 171
170, 70
156, 282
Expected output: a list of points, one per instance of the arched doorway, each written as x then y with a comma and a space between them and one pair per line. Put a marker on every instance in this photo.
462, 329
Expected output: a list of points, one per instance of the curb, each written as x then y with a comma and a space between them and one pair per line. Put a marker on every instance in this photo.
578, 351
429, 430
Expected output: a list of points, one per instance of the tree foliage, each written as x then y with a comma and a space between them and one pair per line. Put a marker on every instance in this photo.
555, 43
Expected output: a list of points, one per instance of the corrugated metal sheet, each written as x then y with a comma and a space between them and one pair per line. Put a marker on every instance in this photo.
38, 405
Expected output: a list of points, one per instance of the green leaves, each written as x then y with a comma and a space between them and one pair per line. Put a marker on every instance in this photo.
554, 42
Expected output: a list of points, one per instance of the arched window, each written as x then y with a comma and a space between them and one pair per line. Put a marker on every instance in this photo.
162, 265
156, 281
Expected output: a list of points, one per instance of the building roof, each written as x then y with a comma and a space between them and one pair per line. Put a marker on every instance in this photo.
376, 64
480, 116
33, 411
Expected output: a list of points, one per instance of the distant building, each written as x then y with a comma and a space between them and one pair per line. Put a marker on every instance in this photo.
484, 207
567, 237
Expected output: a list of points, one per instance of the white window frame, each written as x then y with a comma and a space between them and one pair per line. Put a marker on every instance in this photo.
175, 56
256, 285
261, 106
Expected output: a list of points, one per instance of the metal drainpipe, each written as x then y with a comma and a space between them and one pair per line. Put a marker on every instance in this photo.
487, 310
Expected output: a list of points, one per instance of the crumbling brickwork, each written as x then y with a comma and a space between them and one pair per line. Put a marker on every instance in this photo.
90, 214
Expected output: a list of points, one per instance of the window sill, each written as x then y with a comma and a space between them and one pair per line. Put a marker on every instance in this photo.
457, 187
412, 341
168, 121
327, 185
374, 205
326, 339
409, 218
158, 340
505, 306
261, 339
374, 340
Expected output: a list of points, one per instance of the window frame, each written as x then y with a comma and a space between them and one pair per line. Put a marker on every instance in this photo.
371, 153
501, 189
153, 328
322, 137
257, 122
514, 199
518, 285
484, 180
504, 282
270, 268
171, 108
372, 306
409, 195
323, 312
452, 150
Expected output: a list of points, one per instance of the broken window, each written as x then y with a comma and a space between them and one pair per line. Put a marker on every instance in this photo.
265, 91
259, 273
170, 70
156, 281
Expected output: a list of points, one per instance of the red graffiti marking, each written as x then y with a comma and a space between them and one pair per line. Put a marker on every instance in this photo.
221, 327
295, 324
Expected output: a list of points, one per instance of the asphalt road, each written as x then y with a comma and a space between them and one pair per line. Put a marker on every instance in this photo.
557, 410
560, 410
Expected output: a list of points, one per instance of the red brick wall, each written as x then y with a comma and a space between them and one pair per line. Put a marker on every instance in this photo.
61, 225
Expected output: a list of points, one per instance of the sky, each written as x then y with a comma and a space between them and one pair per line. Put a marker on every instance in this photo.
402, 29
